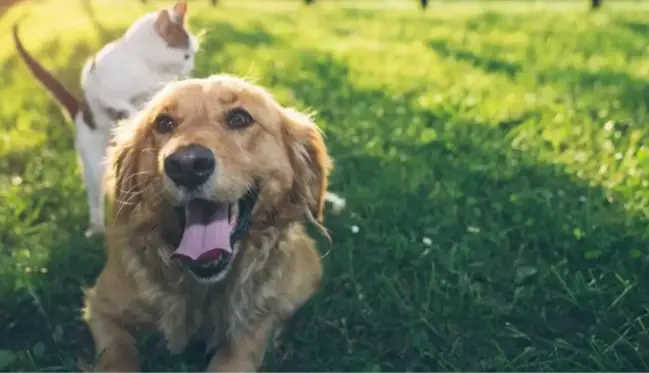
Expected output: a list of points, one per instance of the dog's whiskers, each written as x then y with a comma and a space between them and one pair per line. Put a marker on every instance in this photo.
130, 194
129, 177
126, 202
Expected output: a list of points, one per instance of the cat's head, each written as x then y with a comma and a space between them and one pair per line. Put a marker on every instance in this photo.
163, 40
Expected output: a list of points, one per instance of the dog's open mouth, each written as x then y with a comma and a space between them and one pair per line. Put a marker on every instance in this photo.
210, 232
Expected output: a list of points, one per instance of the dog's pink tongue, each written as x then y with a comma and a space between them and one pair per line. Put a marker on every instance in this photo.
205, 237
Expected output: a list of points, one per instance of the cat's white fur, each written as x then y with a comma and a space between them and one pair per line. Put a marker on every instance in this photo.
139, 63
121, 76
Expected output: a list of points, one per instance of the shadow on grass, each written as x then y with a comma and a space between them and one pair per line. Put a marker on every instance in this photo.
220, 33
524, 257
489, 64
640, 29
105, 35
613, 89
219, 37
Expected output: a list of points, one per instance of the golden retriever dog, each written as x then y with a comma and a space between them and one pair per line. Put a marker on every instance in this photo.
210, 185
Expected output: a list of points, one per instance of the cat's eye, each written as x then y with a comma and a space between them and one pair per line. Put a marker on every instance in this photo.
164, 123
238, 118
187, 55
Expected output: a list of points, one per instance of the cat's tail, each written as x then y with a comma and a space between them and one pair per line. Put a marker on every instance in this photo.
58, 90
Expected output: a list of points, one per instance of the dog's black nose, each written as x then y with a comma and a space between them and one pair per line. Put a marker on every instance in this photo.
190, 166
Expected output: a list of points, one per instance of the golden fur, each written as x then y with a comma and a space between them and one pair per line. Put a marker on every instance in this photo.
277, 269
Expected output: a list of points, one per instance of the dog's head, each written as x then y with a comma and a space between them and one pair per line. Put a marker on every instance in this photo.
203, 154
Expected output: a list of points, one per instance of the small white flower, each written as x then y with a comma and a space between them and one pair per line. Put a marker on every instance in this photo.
427, 241
355, 229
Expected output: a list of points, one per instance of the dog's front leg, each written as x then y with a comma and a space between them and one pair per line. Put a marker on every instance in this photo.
116, 348
245, 351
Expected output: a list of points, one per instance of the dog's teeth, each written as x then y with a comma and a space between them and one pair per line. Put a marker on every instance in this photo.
214, 263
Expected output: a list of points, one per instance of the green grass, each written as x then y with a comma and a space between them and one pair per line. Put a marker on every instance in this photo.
494, 158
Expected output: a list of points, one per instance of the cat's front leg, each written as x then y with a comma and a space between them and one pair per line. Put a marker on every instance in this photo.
91, 145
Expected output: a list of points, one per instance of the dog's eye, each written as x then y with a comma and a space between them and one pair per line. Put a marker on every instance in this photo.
164, 123
239, 118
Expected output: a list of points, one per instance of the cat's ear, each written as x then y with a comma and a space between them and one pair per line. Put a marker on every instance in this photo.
180, 9
162, 22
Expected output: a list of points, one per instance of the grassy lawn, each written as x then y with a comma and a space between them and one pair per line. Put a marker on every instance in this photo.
495, 162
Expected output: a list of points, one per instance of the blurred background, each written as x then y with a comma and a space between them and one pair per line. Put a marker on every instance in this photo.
493, 155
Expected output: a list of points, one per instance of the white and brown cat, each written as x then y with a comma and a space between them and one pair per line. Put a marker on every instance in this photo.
157, 48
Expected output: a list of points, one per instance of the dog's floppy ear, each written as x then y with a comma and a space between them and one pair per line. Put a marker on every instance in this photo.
310, 161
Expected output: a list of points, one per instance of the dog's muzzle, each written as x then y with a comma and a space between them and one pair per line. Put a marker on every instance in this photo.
210, 233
